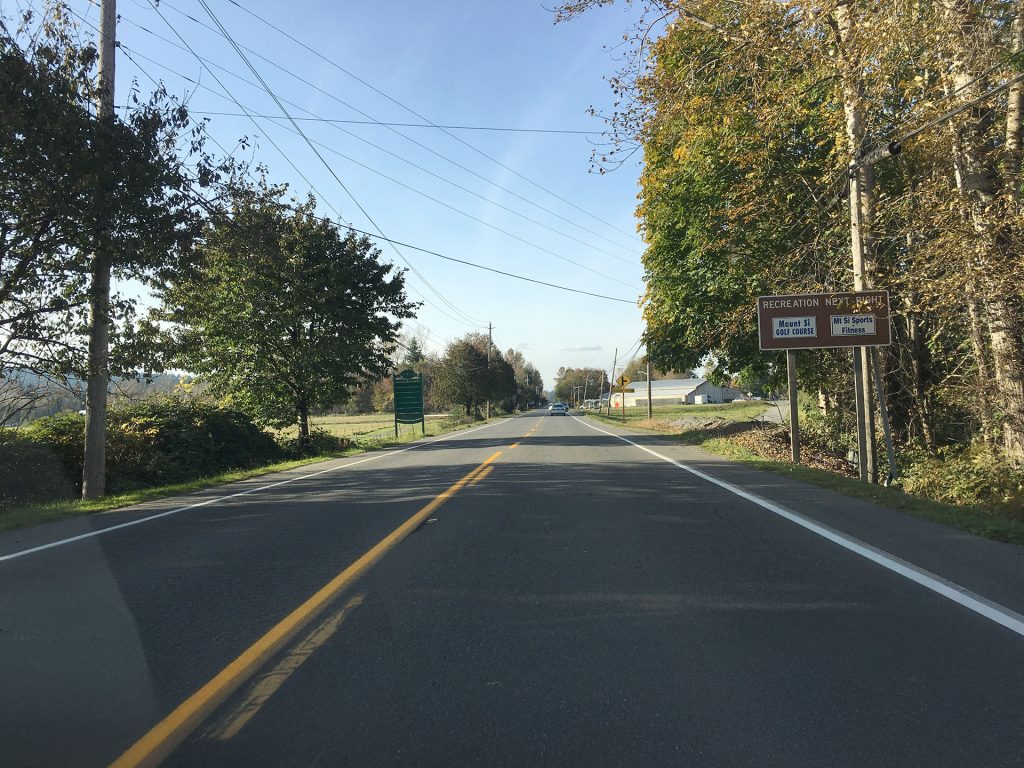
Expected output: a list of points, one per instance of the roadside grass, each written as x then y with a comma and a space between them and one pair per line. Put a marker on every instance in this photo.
36, 514
975, 519
664, 415
354, 426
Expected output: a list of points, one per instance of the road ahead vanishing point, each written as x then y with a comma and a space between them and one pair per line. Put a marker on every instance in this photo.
535, 592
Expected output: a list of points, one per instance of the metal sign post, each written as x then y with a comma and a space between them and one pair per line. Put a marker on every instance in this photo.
623, 382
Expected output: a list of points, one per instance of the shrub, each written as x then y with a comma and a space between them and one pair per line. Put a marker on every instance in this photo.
30, 472
458, 418
975, 475
62, 436
320, 442
173, 440
159, 442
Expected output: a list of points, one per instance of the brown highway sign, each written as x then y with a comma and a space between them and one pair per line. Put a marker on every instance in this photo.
824, 320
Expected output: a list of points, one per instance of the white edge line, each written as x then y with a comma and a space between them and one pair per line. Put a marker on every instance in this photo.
141, 520
950, 590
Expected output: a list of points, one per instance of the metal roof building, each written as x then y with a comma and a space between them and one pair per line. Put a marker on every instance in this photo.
676, 392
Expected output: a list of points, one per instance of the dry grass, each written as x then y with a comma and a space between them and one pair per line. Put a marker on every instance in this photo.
362, 425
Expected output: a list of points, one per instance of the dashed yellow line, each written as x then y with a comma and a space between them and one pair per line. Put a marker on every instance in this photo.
161, 740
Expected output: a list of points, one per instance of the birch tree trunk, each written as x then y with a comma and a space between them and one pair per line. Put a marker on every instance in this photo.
1006, 323
979, 181
862, 191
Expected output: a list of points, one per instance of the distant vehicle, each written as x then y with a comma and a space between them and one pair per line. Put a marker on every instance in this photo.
558, 409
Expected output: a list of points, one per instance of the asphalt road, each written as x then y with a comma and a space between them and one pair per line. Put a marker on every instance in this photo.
575, 601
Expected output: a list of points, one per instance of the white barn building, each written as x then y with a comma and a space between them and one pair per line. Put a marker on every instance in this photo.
676, 392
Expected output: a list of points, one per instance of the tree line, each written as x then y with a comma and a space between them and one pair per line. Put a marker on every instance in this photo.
461, 375
755, 121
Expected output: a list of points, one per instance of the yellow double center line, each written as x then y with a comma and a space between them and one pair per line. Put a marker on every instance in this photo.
162, 739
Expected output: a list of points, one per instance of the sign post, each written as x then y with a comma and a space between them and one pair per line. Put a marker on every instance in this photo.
794, 413
623, 382
854, 319
408, 388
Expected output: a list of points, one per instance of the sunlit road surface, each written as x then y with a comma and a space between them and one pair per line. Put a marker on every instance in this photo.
536, 592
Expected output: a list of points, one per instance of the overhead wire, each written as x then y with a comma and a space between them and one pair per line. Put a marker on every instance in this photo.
131, 54
416, 114
384, 150
372, 120
208, 64
320, 157
492, 269
304, 178
390, 124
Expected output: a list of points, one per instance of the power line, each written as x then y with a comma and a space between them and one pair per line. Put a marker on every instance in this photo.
413, 112
316, 118
320, 157
492, 269
129, 53
303, 176
389, 124
207, 64
957, 110
380, 234
374, 121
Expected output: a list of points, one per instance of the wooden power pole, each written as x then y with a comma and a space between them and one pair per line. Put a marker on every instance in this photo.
489, 330
95, 459
650, 406
611, 383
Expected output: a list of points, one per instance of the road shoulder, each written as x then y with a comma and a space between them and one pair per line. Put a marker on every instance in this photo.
992, 569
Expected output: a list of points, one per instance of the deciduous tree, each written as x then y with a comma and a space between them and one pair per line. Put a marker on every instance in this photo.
284, 312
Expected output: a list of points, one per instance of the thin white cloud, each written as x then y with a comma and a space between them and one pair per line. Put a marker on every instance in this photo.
582, 348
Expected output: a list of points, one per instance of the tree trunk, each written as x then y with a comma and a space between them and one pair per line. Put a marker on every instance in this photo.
862, 192
978, 180
1015, 115
824, 403
917, 355
1008, 360
1005, 321
302, 410
979, 346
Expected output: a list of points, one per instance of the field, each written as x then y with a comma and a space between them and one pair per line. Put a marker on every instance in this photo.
363, 426
727, 412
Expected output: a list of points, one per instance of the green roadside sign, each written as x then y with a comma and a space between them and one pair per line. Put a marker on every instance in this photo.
408, 388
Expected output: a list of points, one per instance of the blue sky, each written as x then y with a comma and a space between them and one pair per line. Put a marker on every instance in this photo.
488, 63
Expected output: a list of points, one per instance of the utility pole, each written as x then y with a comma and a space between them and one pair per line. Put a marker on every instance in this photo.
489, 329
611, 383
861, 176
95, 459
861, 183
650, 405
